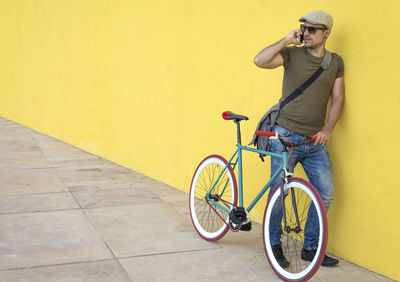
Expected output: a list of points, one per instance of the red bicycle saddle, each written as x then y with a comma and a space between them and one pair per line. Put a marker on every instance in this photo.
228, 115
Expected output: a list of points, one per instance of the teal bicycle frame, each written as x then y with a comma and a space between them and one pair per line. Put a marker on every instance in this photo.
238, 162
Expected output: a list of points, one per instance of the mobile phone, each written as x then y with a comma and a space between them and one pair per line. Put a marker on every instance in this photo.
301, 38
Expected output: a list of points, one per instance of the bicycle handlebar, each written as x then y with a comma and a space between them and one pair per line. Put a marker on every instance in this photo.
284, 141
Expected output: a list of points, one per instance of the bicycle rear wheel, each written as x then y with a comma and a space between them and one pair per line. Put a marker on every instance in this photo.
300, 195
213, 184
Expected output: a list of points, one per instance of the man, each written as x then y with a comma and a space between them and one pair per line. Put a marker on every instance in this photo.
305, 115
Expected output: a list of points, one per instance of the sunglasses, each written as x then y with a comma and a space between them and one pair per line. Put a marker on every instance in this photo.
311, 29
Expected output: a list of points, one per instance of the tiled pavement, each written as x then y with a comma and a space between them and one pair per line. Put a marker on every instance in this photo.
66, 215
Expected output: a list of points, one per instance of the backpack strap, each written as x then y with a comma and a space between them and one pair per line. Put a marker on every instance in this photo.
324, 65
326, 61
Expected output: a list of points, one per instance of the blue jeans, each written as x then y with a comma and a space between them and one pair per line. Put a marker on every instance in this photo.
317, 165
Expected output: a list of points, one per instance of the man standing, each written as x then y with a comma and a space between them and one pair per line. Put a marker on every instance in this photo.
305, 115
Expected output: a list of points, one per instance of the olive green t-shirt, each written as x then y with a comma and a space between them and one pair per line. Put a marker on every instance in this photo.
305, 115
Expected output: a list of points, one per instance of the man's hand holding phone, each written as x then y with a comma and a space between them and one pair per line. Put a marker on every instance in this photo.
295, 37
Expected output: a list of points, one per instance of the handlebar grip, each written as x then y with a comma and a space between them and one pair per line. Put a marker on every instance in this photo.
266, 133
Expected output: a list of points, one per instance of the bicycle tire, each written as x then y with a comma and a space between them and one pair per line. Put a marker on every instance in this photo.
210, 221
292, 242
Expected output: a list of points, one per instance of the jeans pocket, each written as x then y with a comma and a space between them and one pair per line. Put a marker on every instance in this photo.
282, 131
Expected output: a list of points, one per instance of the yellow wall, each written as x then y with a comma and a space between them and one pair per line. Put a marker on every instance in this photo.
144, 82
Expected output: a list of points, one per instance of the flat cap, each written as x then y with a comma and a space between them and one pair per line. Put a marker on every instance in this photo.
318, 17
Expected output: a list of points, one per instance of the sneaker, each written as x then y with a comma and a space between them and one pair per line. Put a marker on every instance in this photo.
246, 226
280, 258
309, 256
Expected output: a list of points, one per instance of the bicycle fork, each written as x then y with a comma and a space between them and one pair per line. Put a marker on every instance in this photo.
284, 181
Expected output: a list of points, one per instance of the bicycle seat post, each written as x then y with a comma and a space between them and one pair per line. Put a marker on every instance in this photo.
239, 139
227, 115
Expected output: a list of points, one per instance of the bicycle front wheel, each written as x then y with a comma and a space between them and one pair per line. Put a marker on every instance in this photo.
306, 226
213, 192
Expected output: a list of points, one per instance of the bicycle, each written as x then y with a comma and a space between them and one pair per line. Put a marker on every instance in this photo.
216, 206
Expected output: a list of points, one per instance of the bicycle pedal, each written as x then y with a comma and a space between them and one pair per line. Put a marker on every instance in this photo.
246, 226
238, 215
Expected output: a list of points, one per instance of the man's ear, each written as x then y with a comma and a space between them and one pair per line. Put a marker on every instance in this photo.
328, 32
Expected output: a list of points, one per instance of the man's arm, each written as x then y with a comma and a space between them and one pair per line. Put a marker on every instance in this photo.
334, 112
269, 57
